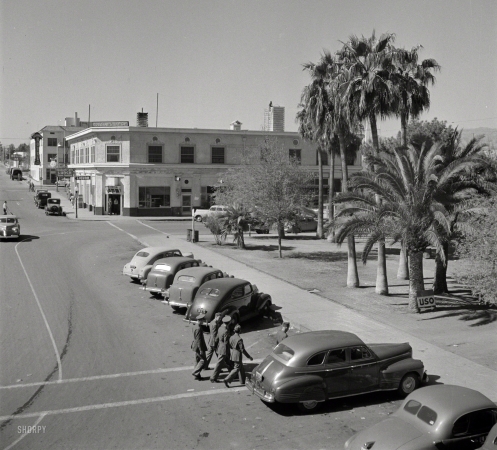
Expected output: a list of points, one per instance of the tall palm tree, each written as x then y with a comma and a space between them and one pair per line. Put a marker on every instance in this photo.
407, 183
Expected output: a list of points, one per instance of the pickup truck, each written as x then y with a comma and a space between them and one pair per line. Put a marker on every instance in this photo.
201, 214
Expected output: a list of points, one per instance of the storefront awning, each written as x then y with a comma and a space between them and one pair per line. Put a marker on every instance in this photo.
114, 190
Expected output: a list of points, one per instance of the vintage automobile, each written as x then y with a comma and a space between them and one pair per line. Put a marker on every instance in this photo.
141, 264
202, 214
186, 284
491, 440
434, 417
163, 271
16, 174
41, 198
62, 182
230, 296
9, 227
309, 368
301, 225
53, 207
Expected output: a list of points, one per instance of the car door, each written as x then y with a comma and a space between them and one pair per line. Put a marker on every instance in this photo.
336, 372
364, 370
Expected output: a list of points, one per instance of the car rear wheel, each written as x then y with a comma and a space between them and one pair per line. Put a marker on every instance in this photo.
408, 384
308, 406
266, 311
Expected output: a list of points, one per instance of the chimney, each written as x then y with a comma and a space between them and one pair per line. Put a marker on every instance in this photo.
76, 119
236, 125
142, 119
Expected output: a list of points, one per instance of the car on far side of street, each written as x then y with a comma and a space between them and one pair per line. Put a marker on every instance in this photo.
63, 183
310, 368
163, 271
9, 227
141, 263
491, 440
53, 207
186, 284
215, 210
41, 198
229, 296
432, 418
302, 224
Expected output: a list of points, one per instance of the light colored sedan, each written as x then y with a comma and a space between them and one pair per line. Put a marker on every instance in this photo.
9, 227
431, 418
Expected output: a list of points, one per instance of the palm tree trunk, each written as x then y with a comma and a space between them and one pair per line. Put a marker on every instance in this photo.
352, 274
403, 129
416, 279
440, 280
403, 269
281, 235
381, 270
331, 191
319, 231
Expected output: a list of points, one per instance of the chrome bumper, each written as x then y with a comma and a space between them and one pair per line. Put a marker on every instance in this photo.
261, 393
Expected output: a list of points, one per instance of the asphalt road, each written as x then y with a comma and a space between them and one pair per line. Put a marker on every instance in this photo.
93, 362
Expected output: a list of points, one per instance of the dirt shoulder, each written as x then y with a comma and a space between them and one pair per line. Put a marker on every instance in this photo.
321, 267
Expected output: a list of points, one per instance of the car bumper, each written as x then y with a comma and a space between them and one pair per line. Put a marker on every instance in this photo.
178, 304
8, 233
155, 290
259, 392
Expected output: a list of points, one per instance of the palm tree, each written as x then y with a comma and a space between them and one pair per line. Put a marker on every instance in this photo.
407, 183
235, 221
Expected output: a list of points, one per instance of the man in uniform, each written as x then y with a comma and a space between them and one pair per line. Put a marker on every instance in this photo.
199, 347
222, 349
282, 332
213, 339
237, 352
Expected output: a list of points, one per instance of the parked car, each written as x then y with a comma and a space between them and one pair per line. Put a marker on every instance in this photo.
163, 271
16, 174
201, 214
41, 198
9, 227
186, 284
62, 183
309, 368
141, 264
434, 417
53, 207
302, 224
491, 440
232, 296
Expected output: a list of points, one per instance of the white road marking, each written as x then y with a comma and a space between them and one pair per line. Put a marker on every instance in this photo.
104, 377
129, 234
57, 355
155, 229
25, 434
251, 345
142, 401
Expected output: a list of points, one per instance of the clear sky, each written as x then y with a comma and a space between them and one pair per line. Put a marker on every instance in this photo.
216, 61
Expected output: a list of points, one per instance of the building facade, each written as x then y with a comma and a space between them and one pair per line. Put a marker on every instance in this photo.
142, 171
274, 118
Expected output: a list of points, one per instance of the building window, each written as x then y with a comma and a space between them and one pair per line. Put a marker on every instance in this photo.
206, 196
217, 155
154, 197
296, 154
52, 142
87, 155
155, 153
113, 153
51, 157
187, 154
92, 154
72, 156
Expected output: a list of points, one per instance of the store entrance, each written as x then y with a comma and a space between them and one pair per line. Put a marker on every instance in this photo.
186, 205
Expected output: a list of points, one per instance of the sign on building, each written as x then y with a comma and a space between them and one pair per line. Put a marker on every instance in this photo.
65, 173
83, 177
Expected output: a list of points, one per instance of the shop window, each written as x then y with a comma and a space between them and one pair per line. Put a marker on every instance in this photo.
217, 155
296, 155
187, 154
113, 153
154, 197
155, 153
52, 142
51, 157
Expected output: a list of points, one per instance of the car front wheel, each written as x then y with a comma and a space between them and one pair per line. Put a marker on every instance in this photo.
408, 384
308, 406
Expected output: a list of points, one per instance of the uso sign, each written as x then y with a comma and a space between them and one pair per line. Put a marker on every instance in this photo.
426, 300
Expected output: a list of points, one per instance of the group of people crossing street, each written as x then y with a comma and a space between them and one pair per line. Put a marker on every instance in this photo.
225, 341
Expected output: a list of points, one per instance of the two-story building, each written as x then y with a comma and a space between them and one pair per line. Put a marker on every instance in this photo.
146, 171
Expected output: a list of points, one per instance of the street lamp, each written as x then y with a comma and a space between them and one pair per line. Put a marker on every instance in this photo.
76, 200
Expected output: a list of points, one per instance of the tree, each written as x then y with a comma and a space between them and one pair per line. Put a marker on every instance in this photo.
270, 185
234, 222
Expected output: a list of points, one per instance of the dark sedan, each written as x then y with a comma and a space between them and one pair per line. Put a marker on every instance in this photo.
432, 418
309, 368
163, 271
230, 296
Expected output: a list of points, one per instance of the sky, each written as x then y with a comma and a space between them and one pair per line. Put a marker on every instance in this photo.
213, 62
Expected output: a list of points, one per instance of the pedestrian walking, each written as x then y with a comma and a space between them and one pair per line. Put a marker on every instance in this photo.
213, 339
237, 351
199, 347
282, 332
5, 207
223, 359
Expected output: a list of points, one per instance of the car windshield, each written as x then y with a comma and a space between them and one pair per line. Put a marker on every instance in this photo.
424, 413
163, 267
210, 292
187, 279
284, 352
7, 220
142, 254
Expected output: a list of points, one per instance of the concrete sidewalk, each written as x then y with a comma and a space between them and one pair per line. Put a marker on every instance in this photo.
306, 311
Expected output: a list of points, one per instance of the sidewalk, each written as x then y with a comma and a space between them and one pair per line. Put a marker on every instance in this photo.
306, 311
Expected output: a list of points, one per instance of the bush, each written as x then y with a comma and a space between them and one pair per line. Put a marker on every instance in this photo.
215, 224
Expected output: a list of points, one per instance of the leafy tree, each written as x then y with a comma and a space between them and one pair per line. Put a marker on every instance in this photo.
478, 250
270, 185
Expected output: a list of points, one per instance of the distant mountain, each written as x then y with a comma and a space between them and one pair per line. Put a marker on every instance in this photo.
489, 133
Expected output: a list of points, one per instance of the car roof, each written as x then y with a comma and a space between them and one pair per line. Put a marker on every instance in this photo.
318, 341
198, 271
7, 216
174, 260
153, 250
224, 284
